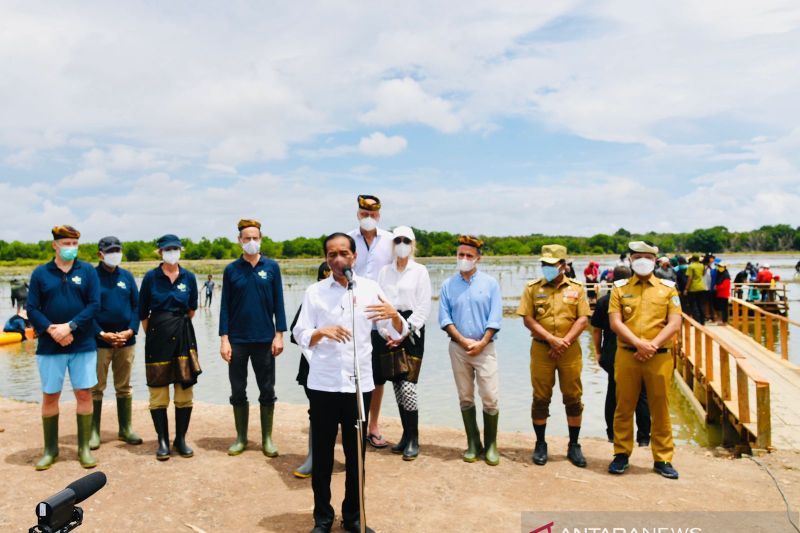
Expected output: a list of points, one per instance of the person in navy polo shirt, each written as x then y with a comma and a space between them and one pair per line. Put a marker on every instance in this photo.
167, 302
63, 299
251, 325
116, 324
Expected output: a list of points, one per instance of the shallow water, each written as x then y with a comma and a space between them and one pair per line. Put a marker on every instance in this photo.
438, 398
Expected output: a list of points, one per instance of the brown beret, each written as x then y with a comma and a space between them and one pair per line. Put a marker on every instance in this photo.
65, 232
469, 240
249, 223
363, 202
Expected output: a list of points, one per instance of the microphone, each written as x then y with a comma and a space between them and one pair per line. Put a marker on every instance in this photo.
348, 274
87, 485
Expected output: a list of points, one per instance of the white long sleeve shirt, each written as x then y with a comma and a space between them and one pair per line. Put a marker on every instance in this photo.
409, 290
326, 303
370, 260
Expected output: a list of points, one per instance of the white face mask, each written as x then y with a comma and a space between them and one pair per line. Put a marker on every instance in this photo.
368, 223
251, 247
113, 259
402, 250
643, 266
464, 265
171, 257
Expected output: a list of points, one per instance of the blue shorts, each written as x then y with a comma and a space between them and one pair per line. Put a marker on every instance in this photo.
82, 370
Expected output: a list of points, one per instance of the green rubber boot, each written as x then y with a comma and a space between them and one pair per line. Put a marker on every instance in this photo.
125, 415
474, 447
50, 426
94, 440
490, 438
241, 414
85, 456
267, 446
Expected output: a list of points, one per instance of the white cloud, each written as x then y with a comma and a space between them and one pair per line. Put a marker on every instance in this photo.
376, 144
403, 101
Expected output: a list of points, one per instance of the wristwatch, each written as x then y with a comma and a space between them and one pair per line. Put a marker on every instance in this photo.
73, 326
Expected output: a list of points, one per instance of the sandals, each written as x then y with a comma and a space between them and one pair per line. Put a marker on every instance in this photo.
377, 441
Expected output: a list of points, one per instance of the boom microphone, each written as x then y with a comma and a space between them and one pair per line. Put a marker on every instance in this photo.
59, 513
87, 485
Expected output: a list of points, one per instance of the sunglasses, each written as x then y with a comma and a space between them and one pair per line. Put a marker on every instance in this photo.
404, 240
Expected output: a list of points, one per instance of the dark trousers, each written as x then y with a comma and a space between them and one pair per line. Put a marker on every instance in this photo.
722, 306
209, 296
642, 411
696, 302
260, 356
328, 411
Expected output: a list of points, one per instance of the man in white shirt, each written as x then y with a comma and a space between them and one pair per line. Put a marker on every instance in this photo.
373, 252
324, 331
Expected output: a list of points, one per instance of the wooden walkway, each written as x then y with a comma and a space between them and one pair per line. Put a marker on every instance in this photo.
784, 385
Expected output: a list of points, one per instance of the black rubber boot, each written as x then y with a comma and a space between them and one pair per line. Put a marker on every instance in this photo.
411, 450
94, 440
124, 416
401, 444
161, 424
50, 426
182, 417
241, 415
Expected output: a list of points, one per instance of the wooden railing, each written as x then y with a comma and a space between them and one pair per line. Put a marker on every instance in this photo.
721, 379
767, 295
763, 324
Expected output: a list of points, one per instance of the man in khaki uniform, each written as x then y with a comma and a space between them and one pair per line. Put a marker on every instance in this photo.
554, 308
645, 313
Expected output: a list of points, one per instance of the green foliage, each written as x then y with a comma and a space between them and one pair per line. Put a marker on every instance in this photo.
778, 238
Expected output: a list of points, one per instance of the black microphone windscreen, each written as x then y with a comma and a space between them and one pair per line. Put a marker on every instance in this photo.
87, 485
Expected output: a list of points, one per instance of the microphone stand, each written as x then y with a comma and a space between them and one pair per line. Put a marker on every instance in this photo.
360, 415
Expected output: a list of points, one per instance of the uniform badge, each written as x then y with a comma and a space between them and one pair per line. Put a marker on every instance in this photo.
76, 280
541, 295
676, 301
181, 287
262, 274
121, 285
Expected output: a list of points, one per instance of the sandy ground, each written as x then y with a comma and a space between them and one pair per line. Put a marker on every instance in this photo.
438, 492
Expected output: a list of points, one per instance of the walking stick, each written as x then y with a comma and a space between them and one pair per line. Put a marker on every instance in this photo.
360, 415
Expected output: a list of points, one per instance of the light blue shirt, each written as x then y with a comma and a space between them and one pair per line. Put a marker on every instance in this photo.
472, 306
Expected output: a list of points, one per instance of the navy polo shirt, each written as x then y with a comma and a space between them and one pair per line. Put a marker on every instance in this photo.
158, 293
251, 299
56, 297
119, 304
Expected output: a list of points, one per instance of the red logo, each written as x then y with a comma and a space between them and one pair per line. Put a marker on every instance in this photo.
545, 528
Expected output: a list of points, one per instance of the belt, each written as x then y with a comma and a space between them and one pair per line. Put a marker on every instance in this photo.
540, 341
632, 349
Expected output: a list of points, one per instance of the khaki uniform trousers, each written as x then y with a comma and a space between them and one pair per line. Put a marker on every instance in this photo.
480, 369
121, 362
159, 397
543, 378
656, 373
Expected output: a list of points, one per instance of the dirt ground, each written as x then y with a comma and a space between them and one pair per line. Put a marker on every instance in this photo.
436, 493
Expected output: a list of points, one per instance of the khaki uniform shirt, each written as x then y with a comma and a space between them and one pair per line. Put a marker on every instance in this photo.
645, 305
555, 307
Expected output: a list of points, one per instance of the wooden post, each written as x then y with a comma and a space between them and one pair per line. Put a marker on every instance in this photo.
743, 394
735, 313
784, 334
763, 422
745, 320
725, 373
770, 333
757, 335
709, 359
698, 352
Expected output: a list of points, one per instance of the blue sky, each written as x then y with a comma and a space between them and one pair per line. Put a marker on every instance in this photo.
497, 118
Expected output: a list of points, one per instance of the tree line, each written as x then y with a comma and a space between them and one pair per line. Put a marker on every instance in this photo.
777, 238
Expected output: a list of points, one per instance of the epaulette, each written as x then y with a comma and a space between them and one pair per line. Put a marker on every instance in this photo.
668, 282
621, 282
574, 281
534, 281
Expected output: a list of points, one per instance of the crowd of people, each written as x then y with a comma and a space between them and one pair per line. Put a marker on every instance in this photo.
368, 308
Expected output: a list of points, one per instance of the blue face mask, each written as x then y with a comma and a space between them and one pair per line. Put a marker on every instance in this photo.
550, 272
68, 253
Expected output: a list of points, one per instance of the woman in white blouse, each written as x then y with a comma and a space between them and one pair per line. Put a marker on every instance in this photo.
407, 285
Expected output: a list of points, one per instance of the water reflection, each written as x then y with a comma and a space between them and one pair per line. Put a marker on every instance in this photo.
438, 399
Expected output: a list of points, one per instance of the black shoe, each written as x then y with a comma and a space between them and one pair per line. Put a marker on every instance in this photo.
321, 529
575, 455
619, 465
644, 443
540, 453
355, 527
665, 469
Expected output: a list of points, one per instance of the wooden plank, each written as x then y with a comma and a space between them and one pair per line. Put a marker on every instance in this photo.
770, 344
698, 352
784, 335
757, 335
725, 373
735, 313
763, 422
742, 393
709, 358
